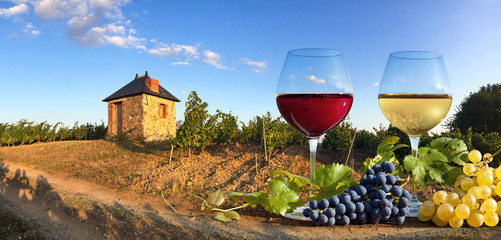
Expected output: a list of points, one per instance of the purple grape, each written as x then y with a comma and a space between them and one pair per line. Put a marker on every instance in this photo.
381, 194
345, 220
344, 198
322, 219
400, 220
406, 194
376, 203
341, 209
352, 216
306, 212
359, 207
361, 190
386, 211
380, 178
350, 207
331, 221
396, 191
403, 202
314, 204
376, 168
367, 207
389, 167
385, 188
370, 171
390, 179
313, 215
330, 212
323, 204
333, 201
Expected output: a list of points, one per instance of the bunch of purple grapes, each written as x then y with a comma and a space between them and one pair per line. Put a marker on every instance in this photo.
378, 198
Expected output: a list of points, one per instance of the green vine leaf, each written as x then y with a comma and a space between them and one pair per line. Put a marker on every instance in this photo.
431, 166
227, 216
215, 198
284, 196
250, 198
331, 180
453, 148
299, 180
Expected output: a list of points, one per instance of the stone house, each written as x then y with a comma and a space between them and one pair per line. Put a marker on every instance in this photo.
142, 109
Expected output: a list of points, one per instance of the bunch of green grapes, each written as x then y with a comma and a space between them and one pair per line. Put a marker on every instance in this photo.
476, 197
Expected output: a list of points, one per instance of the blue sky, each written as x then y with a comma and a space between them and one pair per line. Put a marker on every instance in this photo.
60, 58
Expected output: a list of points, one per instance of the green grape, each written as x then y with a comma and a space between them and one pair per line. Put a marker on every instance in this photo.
493, 190
439, 222
469, 169
475, 156
486, 156
453, 199
490, 205
473, 190
459, 192
422, 217
484, 192
498, 211
498, 172
491, 219
462, 211
445, 211
427, 208
485, 177
439, 197
469, 200
498, 189
456, 222
466, 184
476, 219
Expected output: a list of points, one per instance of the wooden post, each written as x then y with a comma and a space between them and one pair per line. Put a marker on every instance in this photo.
255, 159
171, 150
351, 146
264, 142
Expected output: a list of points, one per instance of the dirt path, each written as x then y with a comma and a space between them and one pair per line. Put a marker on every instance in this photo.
61, 207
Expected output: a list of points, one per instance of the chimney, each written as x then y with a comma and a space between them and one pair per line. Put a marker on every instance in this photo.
151, 83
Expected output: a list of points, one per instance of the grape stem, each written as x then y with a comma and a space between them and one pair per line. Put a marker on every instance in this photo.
218, 209
407, 180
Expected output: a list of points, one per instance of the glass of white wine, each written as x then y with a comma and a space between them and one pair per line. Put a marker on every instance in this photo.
414, 96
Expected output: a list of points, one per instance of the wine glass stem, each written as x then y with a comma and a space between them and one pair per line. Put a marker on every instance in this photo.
313, 142
414, 147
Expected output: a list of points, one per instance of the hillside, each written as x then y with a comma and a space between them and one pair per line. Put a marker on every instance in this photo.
110, 190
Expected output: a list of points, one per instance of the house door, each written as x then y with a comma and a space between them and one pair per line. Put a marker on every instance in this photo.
119, 117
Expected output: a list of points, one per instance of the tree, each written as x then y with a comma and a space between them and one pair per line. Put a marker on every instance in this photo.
194, 131
480, 110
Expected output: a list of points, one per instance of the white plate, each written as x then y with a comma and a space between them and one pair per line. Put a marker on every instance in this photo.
297, 214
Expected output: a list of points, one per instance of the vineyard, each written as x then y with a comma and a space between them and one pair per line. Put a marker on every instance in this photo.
26, 132
255, 172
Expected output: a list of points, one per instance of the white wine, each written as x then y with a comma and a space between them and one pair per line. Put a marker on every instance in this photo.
415, 114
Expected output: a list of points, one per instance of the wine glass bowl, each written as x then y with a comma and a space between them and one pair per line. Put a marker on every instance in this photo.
314, 93
414, 95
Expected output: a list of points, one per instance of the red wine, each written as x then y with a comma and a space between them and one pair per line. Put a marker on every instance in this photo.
314, 113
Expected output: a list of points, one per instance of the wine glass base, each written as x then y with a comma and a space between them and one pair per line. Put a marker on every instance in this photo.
414, 205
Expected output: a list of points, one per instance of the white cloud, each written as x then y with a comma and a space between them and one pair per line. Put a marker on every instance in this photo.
14, 11
29, 29
213, 59
179, 63
314, 79
375, 84
163, 50
256, 66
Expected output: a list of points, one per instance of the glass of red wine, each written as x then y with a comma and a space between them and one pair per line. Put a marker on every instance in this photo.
314, 93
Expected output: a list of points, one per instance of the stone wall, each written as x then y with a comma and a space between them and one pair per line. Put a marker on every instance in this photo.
156, 127
132, 115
